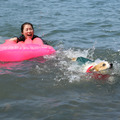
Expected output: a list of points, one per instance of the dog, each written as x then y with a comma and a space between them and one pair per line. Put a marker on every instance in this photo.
98, 70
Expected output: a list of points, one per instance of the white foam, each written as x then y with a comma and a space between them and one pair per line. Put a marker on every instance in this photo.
66, 69
71, 70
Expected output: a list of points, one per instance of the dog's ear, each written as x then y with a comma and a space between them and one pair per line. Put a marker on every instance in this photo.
93, 69
74, 59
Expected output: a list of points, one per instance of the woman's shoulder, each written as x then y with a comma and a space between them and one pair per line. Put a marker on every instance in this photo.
21, 38
35, 36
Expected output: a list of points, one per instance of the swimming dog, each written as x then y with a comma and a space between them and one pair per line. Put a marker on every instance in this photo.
98, 70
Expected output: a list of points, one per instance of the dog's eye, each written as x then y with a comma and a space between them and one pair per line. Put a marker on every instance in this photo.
104, 64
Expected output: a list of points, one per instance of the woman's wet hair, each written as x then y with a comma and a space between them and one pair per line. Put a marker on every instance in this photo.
26, 23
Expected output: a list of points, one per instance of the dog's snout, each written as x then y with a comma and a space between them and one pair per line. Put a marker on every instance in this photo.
111, 65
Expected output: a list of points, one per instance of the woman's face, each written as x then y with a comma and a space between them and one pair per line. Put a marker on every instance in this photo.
28, 31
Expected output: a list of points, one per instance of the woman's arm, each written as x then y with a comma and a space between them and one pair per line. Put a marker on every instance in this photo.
18, 39
14, 39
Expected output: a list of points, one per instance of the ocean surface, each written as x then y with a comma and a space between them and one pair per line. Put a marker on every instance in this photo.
53, 87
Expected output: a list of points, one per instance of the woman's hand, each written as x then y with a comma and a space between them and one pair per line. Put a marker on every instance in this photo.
13, 39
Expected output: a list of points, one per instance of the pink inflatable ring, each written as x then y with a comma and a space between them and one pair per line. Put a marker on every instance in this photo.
12, 51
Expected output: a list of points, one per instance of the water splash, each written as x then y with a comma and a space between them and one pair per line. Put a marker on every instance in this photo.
72, 71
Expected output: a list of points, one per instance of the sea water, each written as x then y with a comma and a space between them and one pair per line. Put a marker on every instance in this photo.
53, 87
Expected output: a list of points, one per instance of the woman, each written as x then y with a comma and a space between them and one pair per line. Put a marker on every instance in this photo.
27, 32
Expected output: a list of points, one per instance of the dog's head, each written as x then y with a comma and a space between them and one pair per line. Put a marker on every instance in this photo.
102, 66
